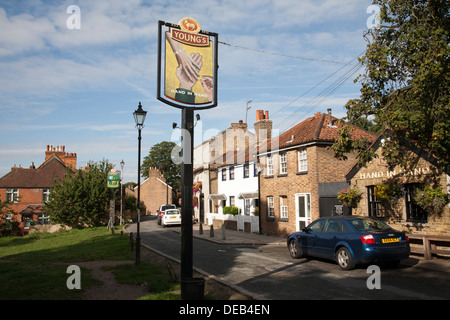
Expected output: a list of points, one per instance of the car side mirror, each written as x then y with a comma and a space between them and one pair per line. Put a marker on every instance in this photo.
306, 229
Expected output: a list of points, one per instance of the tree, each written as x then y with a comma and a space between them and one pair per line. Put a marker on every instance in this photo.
81, 199
160, 157
8, 227
406, 81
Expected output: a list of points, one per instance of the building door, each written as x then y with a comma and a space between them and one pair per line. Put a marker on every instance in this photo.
302, 210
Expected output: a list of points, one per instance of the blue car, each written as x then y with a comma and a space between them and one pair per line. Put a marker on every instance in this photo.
350, 240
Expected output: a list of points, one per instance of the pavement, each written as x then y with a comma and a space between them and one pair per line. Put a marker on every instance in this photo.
225, 236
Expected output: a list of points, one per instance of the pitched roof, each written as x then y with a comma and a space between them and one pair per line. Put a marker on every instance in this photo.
412, 147
42, 177
33, 209
315, 129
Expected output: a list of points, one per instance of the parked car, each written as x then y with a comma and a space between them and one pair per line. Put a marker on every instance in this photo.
163, 208
171, 217
350, 240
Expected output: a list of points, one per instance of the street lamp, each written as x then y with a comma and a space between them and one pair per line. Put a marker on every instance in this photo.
246, 110
139, 117
122, 164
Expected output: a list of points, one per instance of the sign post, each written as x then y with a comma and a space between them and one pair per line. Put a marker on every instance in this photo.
113, 182
189, 56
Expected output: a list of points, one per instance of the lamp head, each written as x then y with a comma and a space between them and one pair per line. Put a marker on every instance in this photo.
139, 116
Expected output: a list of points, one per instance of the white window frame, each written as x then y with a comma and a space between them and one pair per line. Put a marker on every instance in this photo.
12, 195
43, 219
302, 160
283, 208
269, 165
247, 205
45, 195
270, 207
283, 163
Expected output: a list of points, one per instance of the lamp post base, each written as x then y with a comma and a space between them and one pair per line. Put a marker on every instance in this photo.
192, 288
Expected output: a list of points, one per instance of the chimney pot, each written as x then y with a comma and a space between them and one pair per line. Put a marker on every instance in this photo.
330, 119
259, 115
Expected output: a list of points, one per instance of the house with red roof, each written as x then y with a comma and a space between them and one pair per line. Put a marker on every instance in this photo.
301, 176
27, 189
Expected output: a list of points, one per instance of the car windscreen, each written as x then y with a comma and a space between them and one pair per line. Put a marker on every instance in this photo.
170, 212
168, 207
368, 224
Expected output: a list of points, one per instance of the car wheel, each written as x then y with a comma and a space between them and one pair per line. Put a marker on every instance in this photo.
294, 250
344, 259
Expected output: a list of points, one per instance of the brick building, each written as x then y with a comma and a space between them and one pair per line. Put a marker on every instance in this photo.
301, 176
397, 204
28, 188
154, 191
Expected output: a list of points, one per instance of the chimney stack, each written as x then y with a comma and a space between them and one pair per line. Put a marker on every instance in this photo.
263, 126
69, 159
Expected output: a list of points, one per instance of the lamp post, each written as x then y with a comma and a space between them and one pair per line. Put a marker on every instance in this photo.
246, 110
139, 117
122, 164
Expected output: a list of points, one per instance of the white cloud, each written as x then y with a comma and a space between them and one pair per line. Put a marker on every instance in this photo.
22, 33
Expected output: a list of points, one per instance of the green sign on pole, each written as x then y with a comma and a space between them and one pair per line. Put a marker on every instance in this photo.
113, 180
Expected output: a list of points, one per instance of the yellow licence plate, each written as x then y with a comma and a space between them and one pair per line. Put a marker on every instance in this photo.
390, 240
173, 217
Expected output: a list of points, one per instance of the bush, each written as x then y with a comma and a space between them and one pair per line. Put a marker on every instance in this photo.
9, 228
231, 210
350, 197
433, 200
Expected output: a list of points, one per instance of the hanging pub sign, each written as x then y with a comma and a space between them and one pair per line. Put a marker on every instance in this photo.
189, 57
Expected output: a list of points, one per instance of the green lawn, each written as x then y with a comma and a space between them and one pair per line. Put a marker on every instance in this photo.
30, 269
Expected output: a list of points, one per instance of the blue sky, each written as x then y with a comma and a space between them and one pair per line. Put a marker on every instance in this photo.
79, 87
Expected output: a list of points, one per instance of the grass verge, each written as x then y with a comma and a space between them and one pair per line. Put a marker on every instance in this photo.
32, 267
